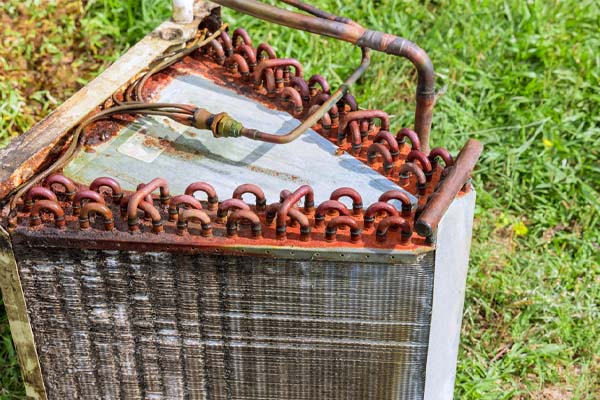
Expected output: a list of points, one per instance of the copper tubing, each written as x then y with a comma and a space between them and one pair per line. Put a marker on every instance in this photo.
292, 96
227, 205
96, 208
347, 100
309, 201
344, 220
320, 99
47, 205
227, 46
378, 148
325, 122
315, 81
248, 53
255, 190
302, 87
152, 212
218, 50
284, 194
354, 33
441, 153
269, 82
366, 115
296, 216
318, 12
390, 223
237, 216
271, 212
89, 195
423, 162
210, 191
240, 33
237, 62
440, 200
137, 197
275, 64
376, 208
38, 192
404, 133
387, 137
411, 168
312, 119
328, 206
401, 197
357, 203
265, 48
182, 200
194, 215
66, 183
114, 186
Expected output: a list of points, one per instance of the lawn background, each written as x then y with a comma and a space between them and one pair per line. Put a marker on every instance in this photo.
521, 76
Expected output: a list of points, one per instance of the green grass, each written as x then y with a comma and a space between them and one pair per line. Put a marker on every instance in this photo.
523, 78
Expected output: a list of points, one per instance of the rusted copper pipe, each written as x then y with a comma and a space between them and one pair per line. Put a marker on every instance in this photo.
326, 123
362, 37
302, 87
328, 206
227, 205
210, 191
237, 62
114, 186
320, 99
194, 215
296, 216
391, 223
269, 82
248, 53
423, 162
89, 195
343, 220
357, 203
67, 184
404, 133
182, 200
441, 153
284, 194
238, 215
137, 197
35, 193
440, 200
240, 33
265, 48
378, 148
366, 115
96, 208
218, 50
387, 137
47, 205
349, 101
376, 208
255, 190
411, 168
309, 201
274, 64
355, 137
152, 212
401, 197
292, 96
315, 81
227, 46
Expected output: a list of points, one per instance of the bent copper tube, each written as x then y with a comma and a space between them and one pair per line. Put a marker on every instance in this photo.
137, 197
387, 137
265, 48
411, 168
326, 123
391, 223
376, 208
238, 215
182, 200
404, 133
47, 205
152, 212
292, 96
302, 87
275, 64
237, 62
309, 198
347, 100
218, 50
362, 37
67, 184
343, 220
378, 148
328, 206
227, 205
89, 195
240, 33
296, 216
355, 137
401, 197
96, 208
357, 203
284, 194
366, 115
259, 195
318, 12
110, 183
227, 46
318, 80
248, 53
440, 200
194, 215
35, 193
423, 162
333, 111
210, 191
441, 153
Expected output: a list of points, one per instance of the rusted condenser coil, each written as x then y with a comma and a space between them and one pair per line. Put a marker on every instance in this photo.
285, 244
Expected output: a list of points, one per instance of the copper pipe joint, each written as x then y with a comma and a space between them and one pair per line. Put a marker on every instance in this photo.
357, 203
255, 190
401, 197
241, 36
238, 63
219, 53
347, 104
67, 184
386, 137
37, 193
376, 209
226, 43
423, 162
302, 87
273, 64
182, 200
282, 214
378, 148
210, 191
98, 209
405, 133
113, 185
137, 197
344, 220
265, 48
367, 115
227, 205
409, 168
50, 206
390, 223
248, 53
89, 195
329, 206
314, 82
291, 95
296, 216
440, 152
194, 215
247, 215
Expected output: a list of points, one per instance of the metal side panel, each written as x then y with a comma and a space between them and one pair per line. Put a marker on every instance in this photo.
451, 264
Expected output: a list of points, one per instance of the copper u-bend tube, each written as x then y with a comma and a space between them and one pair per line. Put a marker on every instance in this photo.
90, 195
282, 214
255, 190
343, 220
47, 205
194, 215
207, 188
441, 153
114, 186
265, 48
238, 215
401, 197
411, 168
229, 204
376, 208
66, 183
38, 192
96, 208
182, 200
326, 207
137, 197
390, 223
357, 203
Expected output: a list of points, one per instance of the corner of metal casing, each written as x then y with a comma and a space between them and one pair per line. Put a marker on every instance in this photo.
18, 319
